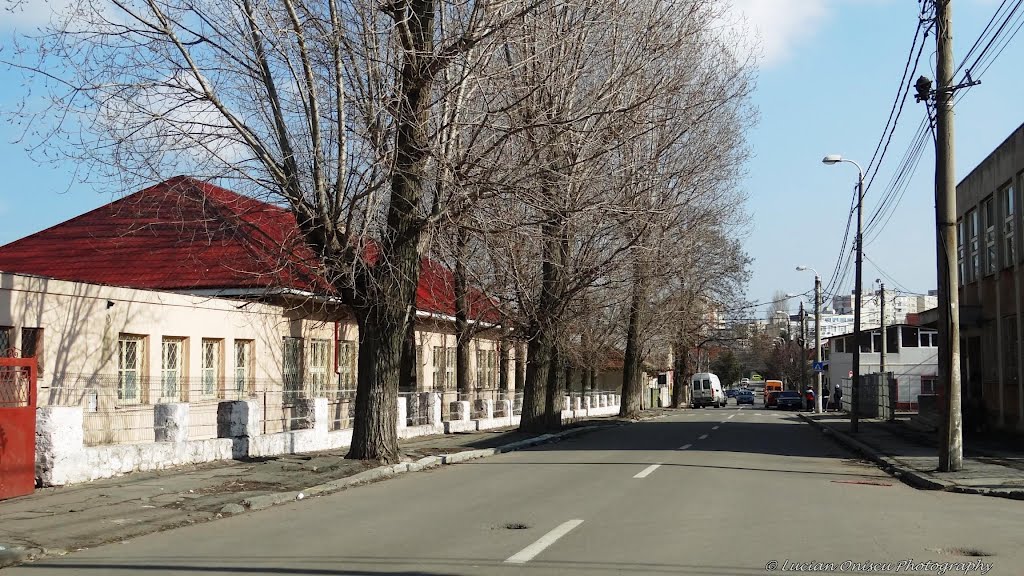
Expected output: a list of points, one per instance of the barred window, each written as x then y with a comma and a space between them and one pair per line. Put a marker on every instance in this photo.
348, 354
292, 369
171, 368
130, 352
6, 345
211, 366
319, 365
243, 365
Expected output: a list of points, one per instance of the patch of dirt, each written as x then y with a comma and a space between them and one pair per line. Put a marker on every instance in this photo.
236, 486
967, 552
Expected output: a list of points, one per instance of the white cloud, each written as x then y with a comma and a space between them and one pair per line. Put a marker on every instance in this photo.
779, 26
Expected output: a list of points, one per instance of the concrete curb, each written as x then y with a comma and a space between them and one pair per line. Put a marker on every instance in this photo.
381, 472
890, 465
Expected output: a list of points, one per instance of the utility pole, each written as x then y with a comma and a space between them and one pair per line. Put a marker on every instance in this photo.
951, 428
817, 342
803, 348
881, 359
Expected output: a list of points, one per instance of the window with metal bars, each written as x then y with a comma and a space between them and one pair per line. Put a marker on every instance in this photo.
243, 366
171, 368
6, 344
211, 366
292, 369
319, 366
347, 355
130, 353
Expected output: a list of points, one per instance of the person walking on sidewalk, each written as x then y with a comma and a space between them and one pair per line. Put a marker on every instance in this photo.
839, 398
809, 399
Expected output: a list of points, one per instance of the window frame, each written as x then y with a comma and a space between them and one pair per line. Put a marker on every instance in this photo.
244, 357
139, 370
973, 241
168, 343
991, 256
36, 338
1008, 204
211, 373
6, 341
318, 366
292, 381
346, 356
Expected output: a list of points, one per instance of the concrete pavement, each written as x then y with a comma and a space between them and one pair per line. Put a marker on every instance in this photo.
913, 457
726, 491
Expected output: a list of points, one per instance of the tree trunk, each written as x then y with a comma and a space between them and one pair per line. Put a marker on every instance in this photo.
680, 375
555, 389
463, 337
538, 364
390, 291
520, 367
408, 381
593, 379
503, 360
632, 381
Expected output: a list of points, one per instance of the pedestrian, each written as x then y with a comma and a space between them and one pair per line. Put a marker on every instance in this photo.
839, 398
809, 399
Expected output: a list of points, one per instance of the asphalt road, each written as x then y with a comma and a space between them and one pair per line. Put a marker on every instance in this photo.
710, 492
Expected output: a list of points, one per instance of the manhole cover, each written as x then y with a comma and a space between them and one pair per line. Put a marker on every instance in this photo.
968, 552
515, 526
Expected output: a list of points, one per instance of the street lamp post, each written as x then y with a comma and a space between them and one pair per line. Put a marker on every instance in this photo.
817, 336
855, 385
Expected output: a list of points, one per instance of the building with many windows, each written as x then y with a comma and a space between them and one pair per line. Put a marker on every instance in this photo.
989, 264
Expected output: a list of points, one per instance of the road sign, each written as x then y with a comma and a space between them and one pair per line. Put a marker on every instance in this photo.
819, 366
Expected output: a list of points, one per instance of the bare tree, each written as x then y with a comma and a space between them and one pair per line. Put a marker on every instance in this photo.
329, 108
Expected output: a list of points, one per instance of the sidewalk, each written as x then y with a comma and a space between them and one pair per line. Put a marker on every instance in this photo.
60, 520
913, 457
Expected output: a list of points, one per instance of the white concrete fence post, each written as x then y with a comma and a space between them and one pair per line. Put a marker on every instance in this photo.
403, 412
170, 422
432, 401
459, 411
60, 443
502, 409
238, 419
484, 407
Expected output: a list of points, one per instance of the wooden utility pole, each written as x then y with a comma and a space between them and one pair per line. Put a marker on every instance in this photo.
951, 442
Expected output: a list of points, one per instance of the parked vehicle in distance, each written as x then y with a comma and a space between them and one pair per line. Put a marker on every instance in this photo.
707, 390
744, 397
772, 385
770, 398
789, 400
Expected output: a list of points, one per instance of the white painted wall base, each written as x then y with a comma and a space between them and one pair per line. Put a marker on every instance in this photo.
62, 458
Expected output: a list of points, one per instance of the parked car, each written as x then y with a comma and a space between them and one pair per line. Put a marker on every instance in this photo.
789, 400
770, 398
744, 397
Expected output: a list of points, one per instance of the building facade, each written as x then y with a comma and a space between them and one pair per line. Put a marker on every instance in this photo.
911, 355
991, 286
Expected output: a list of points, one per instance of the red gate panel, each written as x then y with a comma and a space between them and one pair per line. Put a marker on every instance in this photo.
17, 427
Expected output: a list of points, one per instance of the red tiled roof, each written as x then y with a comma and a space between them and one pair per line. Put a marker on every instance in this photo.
184, 234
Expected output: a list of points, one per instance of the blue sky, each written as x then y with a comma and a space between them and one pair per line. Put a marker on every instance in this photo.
826, 84
827, 79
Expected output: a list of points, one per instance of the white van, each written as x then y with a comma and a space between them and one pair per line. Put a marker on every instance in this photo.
707, 390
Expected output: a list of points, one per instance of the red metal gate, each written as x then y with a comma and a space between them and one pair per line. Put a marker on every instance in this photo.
17, 426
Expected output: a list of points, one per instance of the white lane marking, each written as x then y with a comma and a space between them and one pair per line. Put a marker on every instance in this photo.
647, 471
528, 553
685, 446
731, 417
702, 437
714, 427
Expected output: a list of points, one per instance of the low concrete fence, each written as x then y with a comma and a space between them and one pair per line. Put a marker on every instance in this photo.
62, 456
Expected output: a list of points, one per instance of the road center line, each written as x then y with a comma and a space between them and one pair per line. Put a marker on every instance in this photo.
714, 427
685, 446
528, 553
647, 471
702, 437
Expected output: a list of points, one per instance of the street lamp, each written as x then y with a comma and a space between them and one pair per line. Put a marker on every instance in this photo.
817, 335
854, 386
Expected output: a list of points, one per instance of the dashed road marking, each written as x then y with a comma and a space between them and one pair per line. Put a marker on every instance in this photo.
647, 471
528, 553
685, 446
714, 427
703, 437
